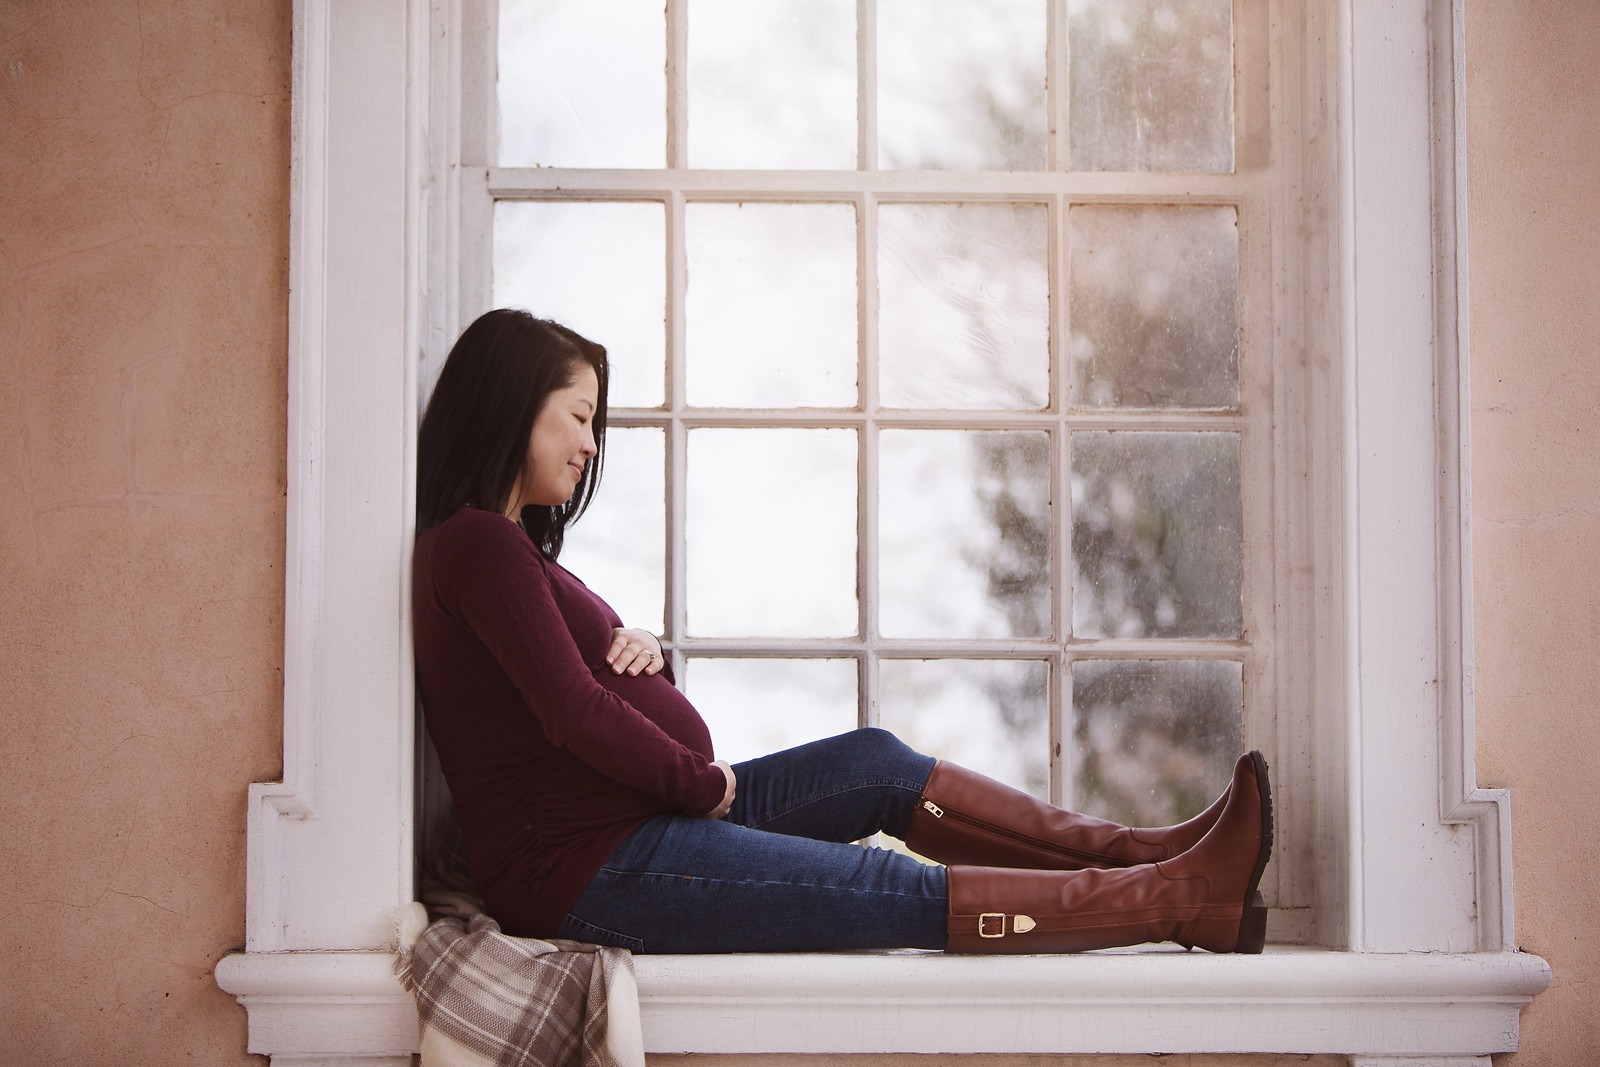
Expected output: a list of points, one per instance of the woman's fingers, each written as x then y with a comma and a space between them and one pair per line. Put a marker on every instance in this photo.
634, 652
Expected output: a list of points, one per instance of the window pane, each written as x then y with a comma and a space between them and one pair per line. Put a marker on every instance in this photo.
1157, 546
1151, 84
581, 83
964, 306
988, 715
597, 268
961, 85
771, 533
1155, 741
751, 342
759, 706
772, 83
964, 530
618, 547
1154, 298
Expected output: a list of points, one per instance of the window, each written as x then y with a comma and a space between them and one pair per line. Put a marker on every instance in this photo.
942, 379
1406, 859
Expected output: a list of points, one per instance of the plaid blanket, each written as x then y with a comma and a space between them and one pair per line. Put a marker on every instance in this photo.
487, 999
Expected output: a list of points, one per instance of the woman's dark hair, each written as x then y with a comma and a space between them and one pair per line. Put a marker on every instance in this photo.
474, 436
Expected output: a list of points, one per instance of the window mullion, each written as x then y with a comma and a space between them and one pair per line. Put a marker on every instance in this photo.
1063, 761
480, 100
866, 84
1059, 690
1058, 99
675, 610
473, 255
1109, 187
826, 418
677, 84
867, 447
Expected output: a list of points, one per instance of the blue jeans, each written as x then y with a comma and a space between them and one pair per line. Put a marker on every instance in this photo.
778, 874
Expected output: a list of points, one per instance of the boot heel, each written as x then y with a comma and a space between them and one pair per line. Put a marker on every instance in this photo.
1253, 926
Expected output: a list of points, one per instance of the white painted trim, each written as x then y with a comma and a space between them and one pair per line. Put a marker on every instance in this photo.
1430, 1008
330, 844
294, 797
1427, 848
308, 227
1461, 799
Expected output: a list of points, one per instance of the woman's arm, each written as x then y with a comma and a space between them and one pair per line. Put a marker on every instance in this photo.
727, 798
489, 576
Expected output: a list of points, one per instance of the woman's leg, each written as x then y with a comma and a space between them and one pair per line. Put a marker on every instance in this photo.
681, 884
841, 788
777, 874
848, 787
964, 817
1205, 898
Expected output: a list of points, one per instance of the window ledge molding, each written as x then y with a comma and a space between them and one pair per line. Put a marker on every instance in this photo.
1414, 858
1426, 1007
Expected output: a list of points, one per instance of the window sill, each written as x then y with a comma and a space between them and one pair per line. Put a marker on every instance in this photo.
308, 1005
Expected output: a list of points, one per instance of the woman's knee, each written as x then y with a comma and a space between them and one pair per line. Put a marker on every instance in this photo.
884, 747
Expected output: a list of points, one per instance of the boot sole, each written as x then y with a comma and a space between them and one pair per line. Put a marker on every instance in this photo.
1253, 924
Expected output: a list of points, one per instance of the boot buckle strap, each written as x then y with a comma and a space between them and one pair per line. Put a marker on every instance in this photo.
993, 924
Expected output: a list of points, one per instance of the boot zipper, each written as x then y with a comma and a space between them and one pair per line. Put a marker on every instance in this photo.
1005, 831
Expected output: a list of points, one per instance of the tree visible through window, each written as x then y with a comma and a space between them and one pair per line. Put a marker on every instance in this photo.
929, 404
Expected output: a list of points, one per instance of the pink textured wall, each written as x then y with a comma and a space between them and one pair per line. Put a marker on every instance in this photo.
1533, 186
144, 159
143, 241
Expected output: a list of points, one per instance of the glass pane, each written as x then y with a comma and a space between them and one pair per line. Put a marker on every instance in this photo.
1157, 544
1154, 742
964, 532
759, 706
772, 83
599, 269
618, 547
750, 341
1151, 84
581, 83
991, 716
1154, 298
964, 306
771, 533
961, 86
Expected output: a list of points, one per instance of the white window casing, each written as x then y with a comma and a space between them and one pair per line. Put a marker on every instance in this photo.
1409, 862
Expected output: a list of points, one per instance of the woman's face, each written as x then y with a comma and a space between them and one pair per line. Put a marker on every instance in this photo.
561, 443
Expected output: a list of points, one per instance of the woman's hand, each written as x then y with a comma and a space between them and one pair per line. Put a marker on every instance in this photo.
634, 651
727, 798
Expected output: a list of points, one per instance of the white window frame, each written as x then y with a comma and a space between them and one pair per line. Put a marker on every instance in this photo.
1413, 859
867, 190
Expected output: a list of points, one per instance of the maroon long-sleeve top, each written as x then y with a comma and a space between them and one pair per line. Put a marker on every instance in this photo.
552, 759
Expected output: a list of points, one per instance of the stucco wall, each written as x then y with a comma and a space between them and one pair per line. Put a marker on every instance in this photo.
1533, 186
144, 157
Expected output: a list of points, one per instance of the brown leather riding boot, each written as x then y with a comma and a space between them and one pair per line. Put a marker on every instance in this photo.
964, 817
1205, 898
